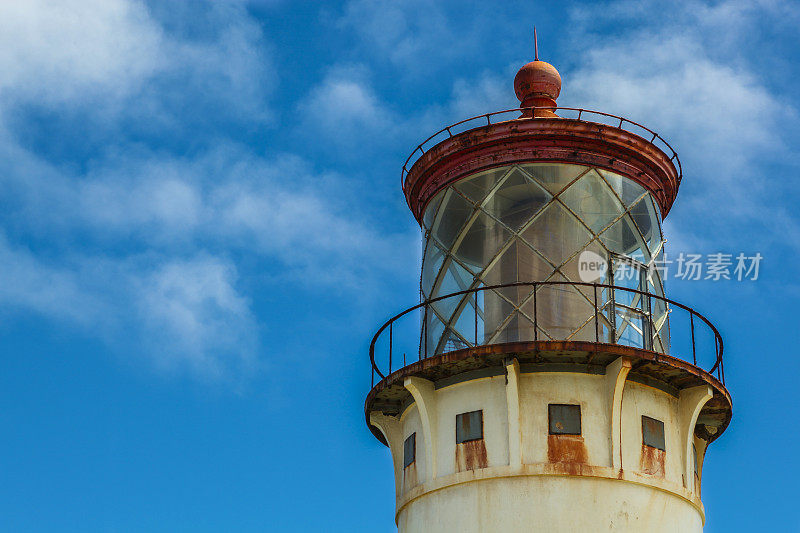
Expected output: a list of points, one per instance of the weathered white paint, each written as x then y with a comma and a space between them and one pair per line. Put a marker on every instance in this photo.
425, 398
641, 400
701, 446
488, 394
549, 504
521, 489
587, 390
616, 376
512, 400
392, 431
412, 423
690, 402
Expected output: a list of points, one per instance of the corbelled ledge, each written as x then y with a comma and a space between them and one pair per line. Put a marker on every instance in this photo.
669, 374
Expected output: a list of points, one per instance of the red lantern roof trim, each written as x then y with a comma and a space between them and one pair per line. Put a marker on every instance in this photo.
557, 140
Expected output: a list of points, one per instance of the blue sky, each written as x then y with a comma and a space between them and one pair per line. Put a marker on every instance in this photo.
202, 226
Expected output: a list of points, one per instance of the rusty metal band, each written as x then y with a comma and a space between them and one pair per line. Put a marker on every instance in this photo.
559, 140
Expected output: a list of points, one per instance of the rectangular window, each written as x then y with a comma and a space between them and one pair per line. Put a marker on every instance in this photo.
410, 450
564, 419
469, 426
653, 433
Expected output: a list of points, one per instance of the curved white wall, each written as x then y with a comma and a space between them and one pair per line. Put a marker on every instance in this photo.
549, 504
603, 480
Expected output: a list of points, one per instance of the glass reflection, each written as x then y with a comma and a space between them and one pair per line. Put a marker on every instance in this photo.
530, 222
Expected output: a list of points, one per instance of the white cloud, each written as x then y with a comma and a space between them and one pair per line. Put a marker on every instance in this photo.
141, 246
156, 231
313, 233
489, 92
410, 34
226, 199
670, 81
192, 315
345, 110
343, 105
685, 77
57, 50
29, 283
182, 314
113, 60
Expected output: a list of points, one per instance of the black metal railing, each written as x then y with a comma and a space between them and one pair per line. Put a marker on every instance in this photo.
607, 311
616, 121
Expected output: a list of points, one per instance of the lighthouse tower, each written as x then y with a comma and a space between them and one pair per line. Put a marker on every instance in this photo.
545, 382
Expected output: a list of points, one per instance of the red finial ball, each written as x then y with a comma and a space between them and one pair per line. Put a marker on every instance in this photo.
538, 84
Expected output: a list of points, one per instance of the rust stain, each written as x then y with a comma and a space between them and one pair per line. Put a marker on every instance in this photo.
410, 476
569, 451
471, 455
566, 449
652, 461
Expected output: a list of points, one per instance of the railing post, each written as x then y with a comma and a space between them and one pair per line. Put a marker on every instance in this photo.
596, 317
425, 331
476, 318
535, 322
694, 351
419, 339
613, 311
652, 326
391, 324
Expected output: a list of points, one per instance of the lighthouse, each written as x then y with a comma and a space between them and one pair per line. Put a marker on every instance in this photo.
545, 381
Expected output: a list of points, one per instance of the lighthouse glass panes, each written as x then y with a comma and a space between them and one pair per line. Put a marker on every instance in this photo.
530, 222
